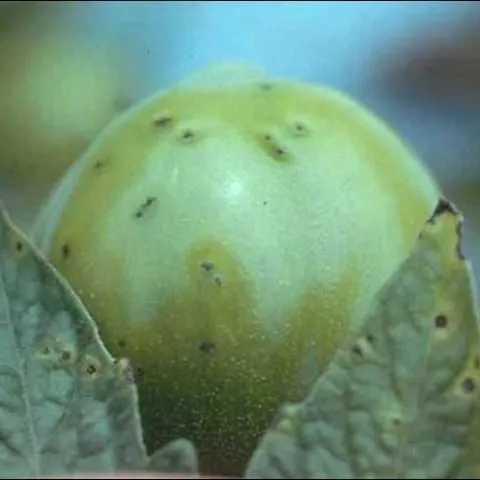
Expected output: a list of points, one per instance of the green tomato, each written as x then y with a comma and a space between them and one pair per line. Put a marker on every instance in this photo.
225, 234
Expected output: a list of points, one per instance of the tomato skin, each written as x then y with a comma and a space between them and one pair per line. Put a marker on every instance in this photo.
224, 237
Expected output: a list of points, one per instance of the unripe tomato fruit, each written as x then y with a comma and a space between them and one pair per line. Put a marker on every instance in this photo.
224, 234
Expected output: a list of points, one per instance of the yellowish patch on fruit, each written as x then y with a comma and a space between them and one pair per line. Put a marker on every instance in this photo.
206, 380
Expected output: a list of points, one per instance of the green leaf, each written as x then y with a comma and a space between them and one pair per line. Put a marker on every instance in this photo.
66, 406
400, 398
178, 456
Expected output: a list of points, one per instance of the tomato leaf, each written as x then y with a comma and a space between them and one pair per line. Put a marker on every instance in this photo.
66, 406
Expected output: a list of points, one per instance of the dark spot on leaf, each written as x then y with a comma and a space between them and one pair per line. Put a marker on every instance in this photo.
140, 372
162, 121
65, 355
441, 321
65, 250
443, 206
370, 338
268, 137
265, 202
18, 246
91, 369
397, 421
46, 350
218, 281
468, 385
279, 151
122, 343
357, 350
207, 347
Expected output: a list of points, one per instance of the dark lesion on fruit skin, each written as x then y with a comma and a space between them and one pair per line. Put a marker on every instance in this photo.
66, 251
273, 147
207, 265
149, 201
468, 385
163, 121
139, 373
279, 151
300, 128
99, 164
187, 135
441, 321
207, 347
